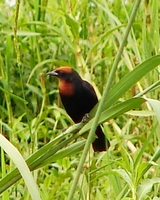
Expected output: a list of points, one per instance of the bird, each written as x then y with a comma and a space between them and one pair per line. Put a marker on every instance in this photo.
78, 98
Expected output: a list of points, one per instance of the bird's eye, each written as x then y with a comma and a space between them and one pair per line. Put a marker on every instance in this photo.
60, 72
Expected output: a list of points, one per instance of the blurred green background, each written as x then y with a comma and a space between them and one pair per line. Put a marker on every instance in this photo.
85, 35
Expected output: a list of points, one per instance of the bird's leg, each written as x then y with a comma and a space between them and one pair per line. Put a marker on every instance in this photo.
85, 118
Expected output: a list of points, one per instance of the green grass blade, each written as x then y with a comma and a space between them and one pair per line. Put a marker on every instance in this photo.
146, 187
130, 79
156, 107
22, 166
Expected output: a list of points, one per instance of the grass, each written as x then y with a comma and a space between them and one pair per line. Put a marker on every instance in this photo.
85, 35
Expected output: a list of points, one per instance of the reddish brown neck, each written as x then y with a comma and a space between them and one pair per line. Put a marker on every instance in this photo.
66, 88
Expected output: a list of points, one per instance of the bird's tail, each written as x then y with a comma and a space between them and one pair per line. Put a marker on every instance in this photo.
100, 143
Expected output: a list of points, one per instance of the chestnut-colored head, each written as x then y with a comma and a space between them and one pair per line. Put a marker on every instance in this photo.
65, 73
67, 76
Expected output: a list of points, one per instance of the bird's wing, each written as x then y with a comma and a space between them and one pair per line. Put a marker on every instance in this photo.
90, 93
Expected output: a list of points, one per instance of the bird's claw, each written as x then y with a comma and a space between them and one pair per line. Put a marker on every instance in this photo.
85, 118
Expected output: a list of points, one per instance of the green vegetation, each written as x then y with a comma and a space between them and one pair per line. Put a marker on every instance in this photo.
38, 36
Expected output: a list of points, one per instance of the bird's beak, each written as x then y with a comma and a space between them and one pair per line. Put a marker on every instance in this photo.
52, 73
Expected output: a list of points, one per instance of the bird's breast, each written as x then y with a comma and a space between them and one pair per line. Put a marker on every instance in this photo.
66, 88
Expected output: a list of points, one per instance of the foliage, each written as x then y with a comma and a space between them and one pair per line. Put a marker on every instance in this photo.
85, 35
